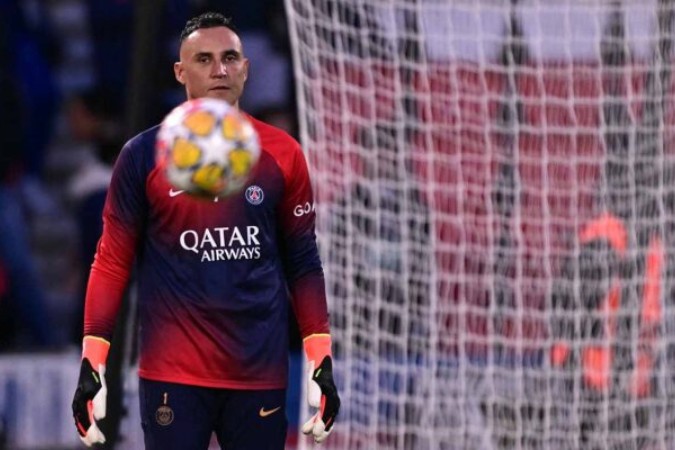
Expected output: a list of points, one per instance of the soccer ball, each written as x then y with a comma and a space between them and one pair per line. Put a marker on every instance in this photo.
207, 148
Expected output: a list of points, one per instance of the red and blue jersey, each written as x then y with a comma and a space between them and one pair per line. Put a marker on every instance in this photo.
214, 276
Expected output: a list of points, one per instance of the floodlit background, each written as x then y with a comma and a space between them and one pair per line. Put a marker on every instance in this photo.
495, 193
77, 79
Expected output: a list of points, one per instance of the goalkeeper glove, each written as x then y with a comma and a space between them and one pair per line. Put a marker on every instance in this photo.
89, 402
321, 390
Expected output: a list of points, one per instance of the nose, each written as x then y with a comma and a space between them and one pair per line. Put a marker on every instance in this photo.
220, 69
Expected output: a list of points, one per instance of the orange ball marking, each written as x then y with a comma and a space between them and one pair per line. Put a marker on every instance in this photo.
185, 154
200, 123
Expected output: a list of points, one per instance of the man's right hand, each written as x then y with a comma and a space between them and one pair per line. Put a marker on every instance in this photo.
89, 402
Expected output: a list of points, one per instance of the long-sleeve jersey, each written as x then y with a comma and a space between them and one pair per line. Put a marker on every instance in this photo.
214, 276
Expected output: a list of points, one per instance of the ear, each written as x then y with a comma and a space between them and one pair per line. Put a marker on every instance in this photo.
247, 63
178, 72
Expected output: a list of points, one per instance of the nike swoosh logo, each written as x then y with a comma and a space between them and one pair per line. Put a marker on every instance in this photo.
264, 413
173, 193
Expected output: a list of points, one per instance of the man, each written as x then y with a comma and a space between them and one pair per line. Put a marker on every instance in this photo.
213, 335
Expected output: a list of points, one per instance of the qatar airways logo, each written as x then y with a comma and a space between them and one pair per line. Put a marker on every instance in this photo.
222, 243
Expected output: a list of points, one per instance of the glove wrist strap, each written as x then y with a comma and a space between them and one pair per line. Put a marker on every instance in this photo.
95, 349
317, 347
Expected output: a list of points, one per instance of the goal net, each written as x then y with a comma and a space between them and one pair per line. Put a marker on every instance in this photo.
494, 185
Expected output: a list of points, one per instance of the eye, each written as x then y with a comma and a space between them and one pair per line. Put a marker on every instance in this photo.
231, 57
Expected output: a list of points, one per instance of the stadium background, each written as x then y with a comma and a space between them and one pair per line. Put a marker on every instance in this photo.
459, 149
79, 77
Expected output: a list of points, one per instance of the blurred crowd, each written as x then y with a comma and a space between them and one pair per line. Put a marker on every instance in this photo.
65, 70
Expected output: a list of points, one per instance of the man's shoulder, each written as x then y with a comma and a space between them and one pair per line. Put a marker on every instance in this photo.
145, 138
139, 151
274, 139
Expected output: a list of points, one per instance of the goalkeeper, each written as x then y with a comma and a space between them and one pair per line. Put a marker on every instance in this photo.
213, 333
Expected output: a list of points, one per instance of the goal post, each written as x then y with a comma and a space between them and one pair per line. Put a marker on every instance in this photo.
495, 211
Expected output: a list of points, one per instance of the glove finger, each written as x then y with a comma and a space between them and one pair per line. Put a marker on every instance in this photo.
322, 436
308, 426
320, 432
94, 436
318, 429
313, 394
99, 403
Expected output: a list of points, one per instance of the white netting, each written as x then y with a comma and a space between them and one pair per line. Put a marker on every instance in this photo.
495, 211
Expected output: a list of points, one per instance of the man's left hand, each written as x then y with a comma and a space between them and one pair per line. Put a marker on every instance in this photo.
322, 393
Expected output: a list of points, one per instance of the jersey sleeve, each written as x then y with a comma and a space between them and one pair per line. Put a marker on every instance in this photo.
299, 249
123, 219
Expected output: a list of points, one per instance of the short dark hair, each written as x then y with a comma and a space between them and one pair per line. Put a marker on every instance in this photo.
206, 20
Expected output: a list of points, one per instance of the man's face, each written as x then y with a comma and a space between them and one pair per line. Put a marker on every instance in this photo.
212, 64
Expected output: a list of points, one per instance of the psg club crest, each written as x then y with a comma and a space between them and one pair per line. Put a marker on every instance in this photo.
164, 414
254, 195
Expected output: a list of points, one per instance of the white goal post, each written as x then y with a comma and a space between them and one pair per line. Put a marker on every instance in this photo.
494, 184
